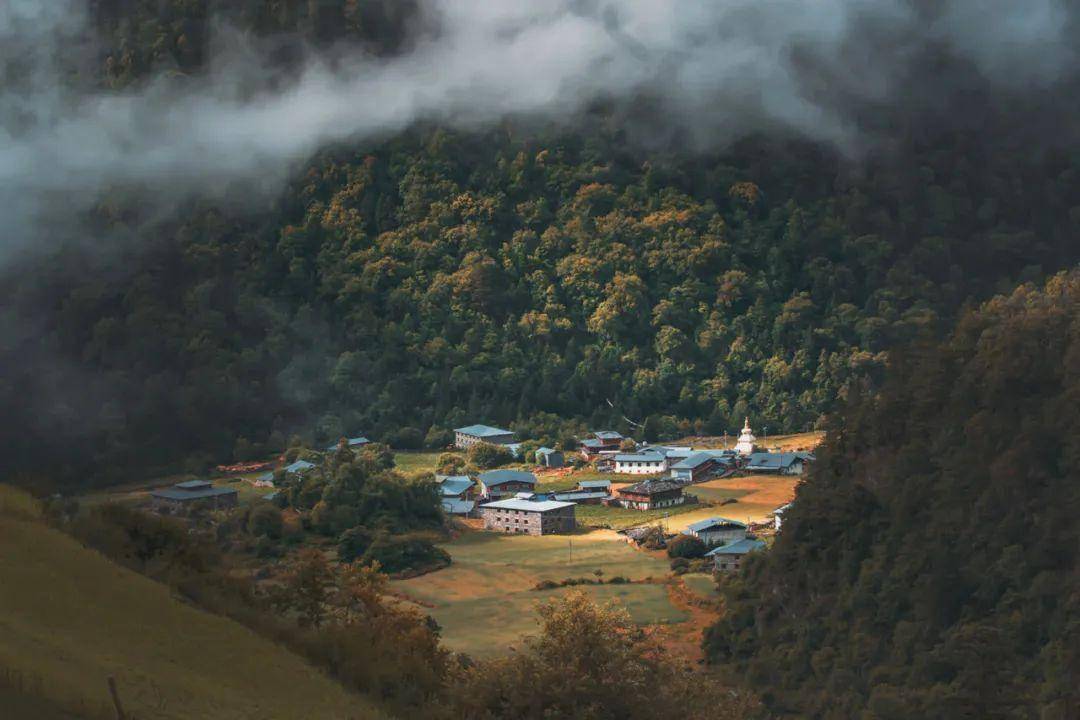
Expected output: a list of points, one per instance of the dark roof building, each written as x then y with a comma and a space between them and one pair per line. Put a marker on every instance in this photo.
466, 437
651, 494
782, 463
187, 493
497, 484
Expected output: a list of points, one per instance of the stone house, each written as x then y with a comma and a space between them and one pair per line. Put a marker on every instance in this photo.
529, 517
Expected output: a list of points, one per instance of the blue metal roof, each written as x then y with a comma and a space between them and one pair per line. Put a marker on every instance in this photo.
775, 461
192, 484
491, 478
545, 451
693, 461
351, 442
594, 484
739, 547
607, 435
299, 466
579, 495
482, 431
710, 522
591, 443
640, 457
455, 484
457, 507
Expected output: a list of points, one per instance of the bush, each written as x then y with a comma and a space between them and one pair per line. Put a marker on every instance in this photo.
450, 464
265, 520
353, 543
685, 546
396, 553
680, 565
487, 455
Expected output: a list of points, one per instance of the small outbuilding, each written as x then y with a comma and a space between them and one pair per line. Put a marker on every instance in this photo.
778, 463
549, 457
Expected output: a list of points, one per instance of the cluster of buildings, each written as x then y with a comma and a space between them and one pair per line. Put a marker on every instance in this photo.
729, 541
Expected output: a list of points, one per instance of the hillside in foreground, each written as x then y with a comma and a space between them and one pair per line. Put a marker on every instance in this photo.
70, 618
929, 566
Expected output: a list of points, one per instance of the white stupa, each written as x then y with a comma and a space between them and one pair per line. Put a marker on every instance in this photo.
745, 446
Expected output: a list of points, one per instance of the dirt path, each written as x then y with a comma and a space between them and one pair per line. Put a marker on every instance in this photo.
684, 639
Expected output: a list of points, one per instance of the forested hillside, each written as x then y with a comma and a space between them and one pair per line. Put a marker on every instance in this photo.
504, 274
929, 566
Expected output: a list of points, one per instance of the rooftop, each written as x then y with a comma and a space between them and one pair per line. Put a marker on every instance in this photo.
492, 478
529, 505
175, 493
607, 435
192, 484
770, 460
651, 487
299, 466
640, 457
594, 484
696, 460
457, 507
351, 442
482, 431
739, 547
545, 451
713, 522
455, 484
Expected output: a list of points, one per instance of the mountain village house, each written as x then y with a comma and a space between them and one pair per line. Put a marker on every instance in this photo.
781, 463
185, 494
651, 494
466, 437
695, 468
600, 442
499, 484
353, 442
727, 558
648, 462
456, 492
717, 531
529, 517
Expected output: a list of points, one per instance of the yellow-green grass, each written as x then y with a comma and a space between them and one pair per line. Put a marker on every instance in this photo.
702, 585
620, 518
759, 496
71, 618
485, 600
414, 462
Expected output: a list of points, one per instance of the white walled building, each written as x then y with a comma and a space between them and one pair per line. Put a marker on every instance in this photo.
745, 445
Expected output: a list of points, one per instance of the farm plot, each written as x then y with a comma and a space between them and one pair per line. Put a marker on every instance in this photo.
757, 497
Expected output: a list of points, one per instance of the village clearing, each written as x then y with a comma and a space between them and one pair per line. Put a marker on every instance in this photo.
485, 600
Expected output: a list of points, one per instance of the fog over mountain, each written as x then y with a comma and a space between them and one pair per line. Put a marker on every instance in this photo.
715, 70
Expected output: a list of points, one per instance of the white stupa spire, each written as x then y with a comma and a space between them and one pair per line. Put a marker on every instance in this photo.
745, 445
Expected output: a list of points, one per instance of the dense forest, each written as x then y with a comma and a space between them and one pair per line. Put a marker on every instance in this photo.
929, 567
514, 275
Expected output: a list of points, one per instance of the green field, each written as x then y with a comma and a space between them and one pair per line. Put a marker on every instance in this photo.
484, 601
70, 618
701, 585
413, 462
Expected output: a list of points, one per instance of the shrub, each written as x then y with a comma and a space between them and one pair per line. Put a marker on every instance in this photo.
265, 520
353, 543
407, 438
396, 553
487, 455
685, 546
438, 437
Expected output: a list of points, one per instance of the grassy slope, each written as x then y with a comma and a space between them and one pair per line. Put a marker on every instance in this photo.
484, 601
71, 618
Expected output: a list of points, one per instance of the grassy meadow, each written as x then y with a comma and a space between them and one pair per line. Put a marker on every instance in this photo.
485, 600
70, 618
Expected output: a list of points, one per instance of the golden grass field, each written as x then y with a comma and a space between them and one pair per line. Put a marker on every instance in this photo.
70, 618
484, 601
